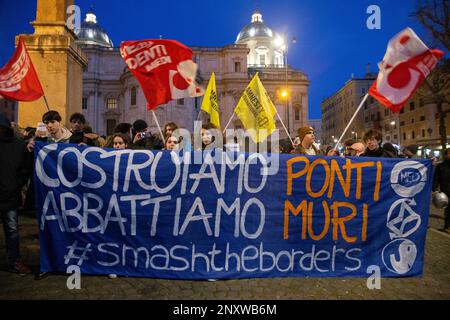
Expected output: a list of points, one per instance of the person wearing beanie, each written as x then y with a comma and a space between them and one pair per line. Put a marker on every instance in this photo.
14, 174
306, 141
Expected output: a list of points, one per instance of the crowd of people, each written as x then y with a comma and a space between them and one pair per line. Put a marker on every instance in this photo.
16, 162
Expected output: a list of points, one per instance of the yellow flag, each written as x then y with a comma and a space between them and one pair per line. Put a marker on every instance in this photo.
256, 111
210, 104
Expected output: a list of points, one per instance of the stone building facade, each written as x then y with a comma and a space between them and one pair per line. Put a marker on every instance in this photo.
111, 94
338, 109
416, 124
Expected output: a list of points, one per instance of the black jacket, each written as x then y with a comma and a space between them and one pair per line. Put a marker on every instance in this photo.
378, 153
14, 168
441, 179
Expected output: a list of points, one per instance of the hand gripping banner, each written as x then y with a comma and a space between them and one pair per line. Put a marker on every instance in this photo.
167, 215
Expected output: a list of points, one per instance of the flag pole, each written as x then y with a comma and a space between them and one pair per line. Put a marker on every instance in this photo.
159, 127
232, 116
46, 103
199, 114
351, 120
289, 136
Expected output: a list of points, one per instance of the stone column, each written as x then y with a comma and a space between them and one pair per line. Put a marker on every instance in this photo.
58, 61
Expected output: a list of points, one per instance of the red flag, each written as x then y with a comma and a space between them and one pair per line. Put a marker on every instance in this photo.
163, 68
18, 78
406, 64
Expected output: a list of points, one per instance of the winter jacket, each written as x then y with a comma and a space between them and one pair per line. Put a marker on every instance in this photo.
14, 167
378, 153
301, 150
441, 179
65, 138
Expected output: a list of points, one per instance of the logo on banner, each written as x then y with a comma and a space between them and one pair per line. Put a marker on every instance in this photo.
408, 178
399, 255
402, 220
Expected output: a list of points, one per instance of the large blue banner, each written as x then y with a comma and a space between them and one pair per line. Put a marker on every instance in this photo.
217, 215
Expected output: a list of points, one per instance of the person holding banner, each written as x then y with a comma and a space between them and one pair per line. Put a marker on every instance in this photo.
56, 131
357, 149
306, 140
373, 140
14, 173
124, 128
120, 141
172, 143
306, 145
80, 134
207, 136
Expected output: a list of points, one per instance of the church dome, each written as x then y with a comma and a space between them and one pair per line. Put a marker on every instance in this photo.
255, 29
91, 33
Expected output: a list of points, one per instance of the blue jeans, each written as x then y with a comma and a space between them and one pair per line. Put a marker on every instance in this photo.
11, 228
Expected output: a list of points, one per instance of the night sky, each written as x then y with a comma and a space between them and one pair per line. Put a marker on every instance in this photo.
332, 38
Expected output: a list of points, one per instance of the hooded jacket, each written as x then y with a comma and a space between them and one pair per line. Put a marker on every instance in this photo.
14, 166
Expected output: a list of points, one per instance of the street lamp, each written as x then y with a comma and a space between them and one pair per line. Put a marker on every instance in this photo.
392, 127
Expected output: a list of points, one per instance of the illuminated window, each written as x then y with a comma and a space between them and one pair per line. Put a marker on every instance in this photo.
111, 103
